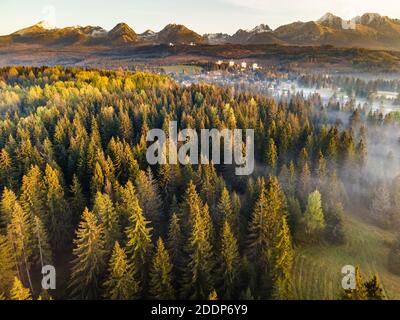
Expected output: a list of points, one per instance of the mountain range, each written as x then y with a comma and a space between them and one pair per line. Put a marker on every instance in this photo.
370, 30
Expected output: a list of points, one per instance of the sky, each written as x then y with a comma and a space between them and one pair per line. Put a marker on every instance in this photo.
203, 16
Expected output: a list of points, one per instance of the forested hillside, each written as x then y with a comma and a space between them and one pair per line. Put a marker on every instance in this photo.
78, 193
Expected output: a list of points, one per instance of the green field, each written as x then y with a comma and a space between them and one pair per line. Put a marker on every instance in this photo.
317, 269
182, 69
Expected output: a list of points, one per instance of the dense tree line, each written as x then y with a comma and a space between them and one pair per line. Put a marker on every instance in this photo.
77, 191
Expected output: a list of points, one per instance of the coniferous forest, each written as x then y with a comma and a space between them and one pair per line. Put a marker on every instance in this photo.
77, 192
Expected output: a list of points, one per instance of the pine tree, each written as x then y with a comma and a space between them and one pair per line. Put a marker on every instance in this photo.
229, 263
7, 264
190, 207
149, 199
104, 209
19, 232
304, 187
7, 170
272, 156
89, 262
269, 208
120, 283
263, 230
161, 274
314, 221
198, 274
56, 218
139, 246
97, 182
282, 257
78, 201
175, 248
33, 194
19, 292
7, 205
225, 211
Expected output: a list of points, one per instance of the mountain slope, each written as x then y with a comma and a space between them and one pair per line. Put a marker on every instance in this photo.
371, 31
177, 33
122, 34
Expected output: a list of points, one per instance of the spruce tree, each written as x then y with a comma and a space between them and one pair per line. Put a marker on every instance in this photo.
161, 287
229, 263
282, 265
263, 230
149, 199
19, 232
97, 182
7, 205
175, 248
7, 264
139, 245
225, 211
56, 218
120, 283
77, 201
104, 209
89, 261
272, 156
198, 274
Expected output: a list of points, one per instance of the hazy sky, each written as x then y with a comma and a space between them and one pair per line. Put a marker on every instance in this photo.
200, 15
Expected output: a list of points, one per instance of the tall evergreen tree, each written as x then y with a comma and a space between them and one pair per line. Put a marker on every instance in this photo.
198, 274
139, 246
282, 257
7, 205
89, 262
78, 201
225, 211
104, 209
175, 248
7, 264
19, 232
33, 194
56, 218
272, 156
161, 274
229, 263
149, 199
120, 283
